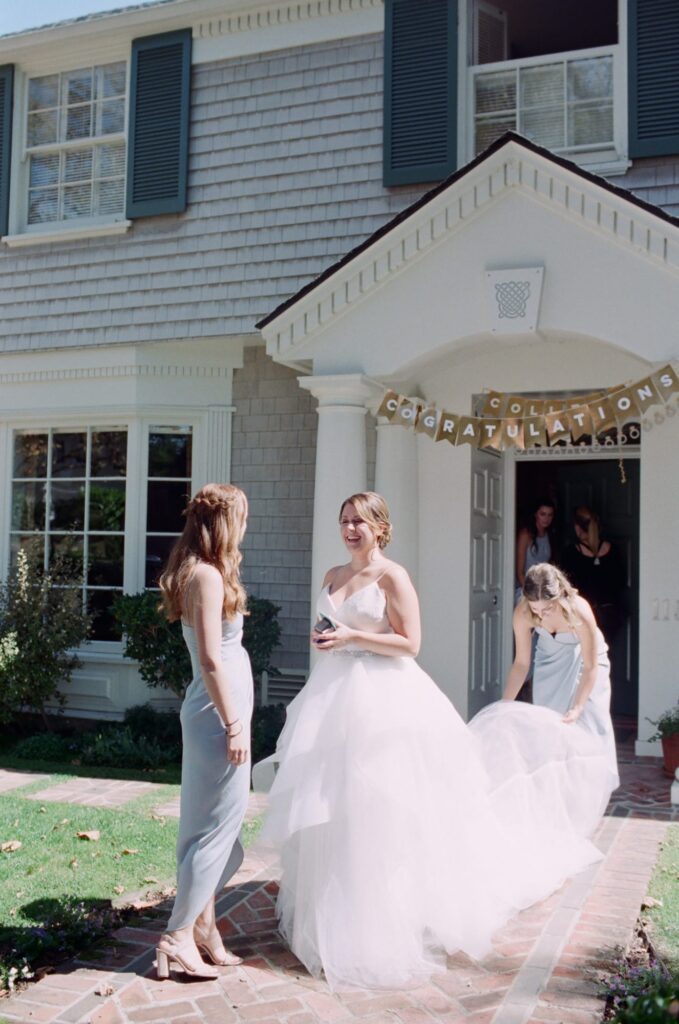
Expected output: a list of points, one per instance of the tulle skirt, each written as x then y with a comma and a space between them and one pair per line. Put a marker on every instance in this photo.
405, 834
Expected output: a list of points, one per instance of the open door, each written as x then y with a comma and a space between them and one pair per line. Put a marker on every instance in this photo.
600, 485
487, 527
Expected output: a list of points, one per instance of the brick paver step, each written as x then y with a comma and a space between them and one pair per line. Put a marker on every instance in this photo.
541, 969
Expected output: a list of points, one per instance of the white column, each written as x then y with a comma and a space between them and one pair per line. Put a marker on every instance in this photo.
396, 480
340, 461
218, 447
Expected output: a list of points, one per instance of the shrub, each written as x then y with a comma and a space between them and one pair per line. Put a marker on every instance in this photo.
41, 621
261, 633
47, 746
667, 725
163, 726
62, 927
642, 995
116, 747
158, 645
267, 723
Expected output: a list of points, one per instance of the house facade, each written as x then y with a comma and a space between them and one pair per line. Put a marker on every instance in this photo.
337, 172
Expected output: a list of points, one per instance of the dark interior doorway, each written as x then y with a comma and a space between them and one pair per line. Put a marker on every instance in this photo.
598, 484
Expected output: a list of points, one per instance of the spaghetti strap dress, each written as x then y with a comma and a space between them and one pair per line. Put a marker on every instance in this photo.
403, 833
214, 792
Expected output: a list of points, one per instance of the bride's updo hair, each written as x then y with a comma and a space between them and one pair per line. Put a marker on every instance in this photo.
373, 509
544, 582
214, 528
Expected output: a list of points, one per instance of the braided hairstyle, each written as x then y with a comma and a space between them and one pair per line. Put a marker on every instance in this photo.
214, 528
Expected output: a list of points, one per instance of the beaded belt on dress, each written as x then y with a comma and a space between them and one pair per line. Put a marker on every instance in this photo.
354, 654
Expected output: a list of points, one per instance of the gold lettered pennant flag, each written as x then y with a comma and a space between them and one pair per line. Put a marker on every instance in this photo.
646, 394
603, 415
667, 382
580, 422
493, 403
407, 413
512, 433
426, 422
447, 427
558, 427
534, 407
468, 430
490, 434
625, 405
554, 405
516, 406
390, 404
534, 431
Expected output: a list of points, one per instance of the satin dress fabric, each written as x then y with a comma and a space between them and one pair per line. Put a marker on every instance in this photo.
401, 837
214, 792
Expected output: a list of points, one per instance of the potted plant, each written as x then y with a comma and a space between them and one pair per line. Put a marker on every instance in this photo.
667, 727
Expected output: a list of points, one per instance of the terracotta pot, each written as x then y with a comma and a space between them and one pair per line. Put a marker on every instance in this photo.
670, 749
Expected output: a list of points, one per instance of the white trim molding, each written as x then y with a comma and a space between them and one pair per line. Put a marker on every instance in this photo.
278, 26
61, 234
511, 168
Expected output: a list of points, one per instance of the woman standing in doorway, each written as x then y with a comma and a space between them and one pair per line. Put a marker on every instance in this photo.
398, 842
534, 542
201, 586
595, 568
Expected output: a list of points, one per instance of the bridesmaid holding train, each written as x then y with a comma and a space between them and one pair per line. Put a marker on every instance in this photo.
201, 587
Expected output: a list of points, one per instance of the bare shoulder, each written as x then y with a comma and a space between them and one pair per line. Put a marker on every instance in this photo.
394, 577
521, 619
584, 611
331, 575
206, 578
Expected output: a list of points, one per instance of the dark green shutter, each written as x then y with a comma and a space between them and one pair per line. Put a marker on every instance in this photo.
158, 147
653, 71
420, 90
6, 93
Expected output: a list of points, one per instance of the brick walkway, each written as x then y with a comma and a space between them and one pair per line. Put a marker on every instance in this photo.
541, 970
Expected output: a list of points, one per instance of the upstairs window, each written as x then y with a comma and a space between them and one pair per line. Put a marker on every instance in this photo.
545, 70
75, 144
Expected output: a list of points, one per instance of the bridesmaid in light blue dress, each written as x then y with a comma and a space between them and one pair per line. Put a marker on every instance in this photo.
572, 671
201, 585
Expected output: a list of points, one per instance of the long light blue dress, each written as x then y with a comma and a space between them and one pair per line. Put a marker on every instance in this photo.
214, 794
556, 676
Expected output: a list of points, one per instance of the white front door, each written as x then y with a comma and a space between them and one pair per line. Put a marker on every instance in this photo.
487, 526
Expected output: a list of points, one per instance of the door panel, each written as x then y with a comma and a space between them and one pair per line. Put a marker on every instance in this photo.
485, 653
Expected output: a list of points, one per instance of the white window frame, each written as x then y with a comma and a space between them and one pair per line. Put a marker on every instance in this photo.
137, 427
609, 162
20, 232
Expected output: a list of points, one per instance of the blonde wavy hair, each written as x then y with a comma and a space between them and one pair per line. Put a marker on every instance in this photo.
544, 582
373, 509
214, 528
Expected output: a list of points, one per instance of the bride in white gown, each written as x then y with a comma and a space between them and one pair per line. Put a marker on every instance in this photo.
397, 844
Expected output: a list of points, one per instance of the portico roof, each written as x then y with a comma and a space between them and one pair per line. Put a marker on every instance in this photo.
510, 165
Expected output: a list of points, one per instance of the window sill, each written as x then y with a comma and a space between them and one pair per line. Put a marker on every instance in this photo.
118, 227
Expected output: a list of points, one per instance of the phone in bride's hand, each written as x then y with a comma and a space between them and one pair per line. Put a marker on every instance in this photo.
324, 625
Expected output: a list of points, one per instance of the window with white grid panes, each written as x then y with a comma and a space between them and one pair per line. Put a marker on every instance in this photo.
565, 105
168, 490
68, 501
75, 144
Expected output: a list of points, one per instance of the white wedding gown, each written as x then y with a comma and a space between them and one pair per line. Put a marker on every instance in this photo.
405, 834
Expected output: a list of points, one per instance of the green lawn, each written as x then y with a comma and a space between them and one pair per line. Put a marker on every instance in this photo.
53, 861
664, 886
